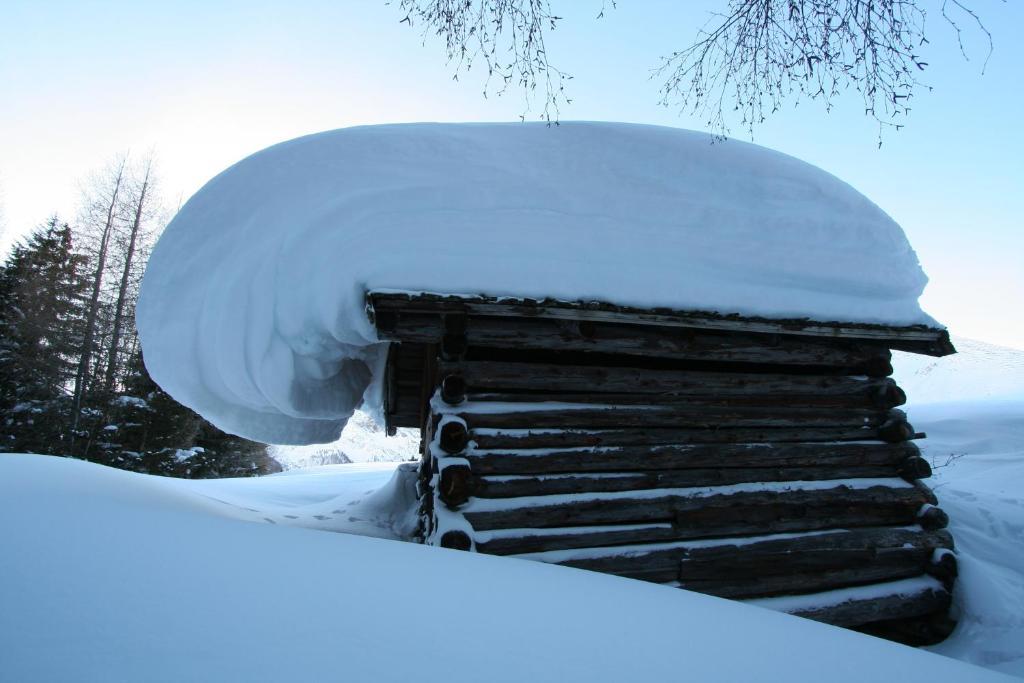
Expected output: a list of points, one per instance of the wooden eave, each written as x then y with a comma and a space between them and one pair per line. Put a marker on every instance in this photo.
383, 307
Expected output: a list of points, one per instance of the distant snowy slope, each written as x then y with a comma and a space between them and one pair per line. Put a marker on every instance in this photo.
362, 440
977, 371
112, 576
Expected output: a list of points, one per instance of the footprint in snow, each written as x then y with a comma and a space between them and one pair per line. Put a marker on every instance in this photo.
338, 512
322, 517
269, 520
291, 516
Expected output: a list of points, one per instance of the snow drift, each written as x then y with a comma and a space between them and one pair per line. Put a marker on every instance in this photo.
252, 309
114, 576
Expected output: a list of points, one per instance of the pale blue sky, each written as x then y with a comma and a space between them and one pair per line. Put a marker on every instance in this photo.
207, 83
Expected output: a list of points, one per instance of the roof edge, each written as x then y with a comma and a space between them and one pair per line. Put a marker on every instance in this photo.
922, 339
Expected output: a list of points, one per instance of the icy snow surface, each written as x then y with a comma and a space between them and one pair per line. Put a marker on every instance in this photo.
112, 576
252, 307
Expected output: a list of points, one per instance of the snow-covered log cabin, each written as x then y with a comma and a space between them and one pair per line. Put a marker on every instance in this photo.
644, 354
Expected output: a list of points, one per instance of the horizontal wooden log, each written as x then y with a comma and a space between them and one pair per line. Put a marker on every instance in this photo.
453, 389
896, 430
747, 562
933, 518
542, 415
697, 456
885, 569
704, 561
875, 401
926, 492
752, 511
920, 631
520, 541
541, 485
681, 344
453, 437
915, 468
944, 567
455, 485
737, 563
456, 540
536, 540
386, 307
630, 384
903, 604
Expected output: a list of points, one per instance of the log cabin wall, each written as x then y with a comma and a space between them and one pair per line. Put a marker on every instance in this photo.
750, 459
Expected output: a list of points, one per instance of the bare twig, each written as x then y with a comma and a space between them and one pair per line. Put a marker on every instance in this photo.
761, 53
507, 36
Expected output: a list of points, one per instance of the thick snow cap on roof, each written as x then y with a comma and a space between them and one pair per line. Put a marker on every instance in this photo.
252, 308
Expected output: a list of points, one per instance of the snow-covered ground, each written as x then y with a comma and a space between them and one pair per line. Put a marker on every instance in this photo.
114, 576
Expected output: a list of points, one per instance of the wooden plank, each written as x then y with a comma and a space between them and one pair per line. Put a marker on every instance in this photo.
864, 400
519, 541
753, 511
671, 457
886, 569
916, 338
540, 485
629, 384
901, 604
632, 340
808, 553
495, 439
745, 567
682, 416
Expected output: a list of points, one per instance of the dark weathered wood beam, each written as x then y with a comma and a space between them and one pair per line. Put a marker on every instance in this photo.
702, 456
707, 515
383, 305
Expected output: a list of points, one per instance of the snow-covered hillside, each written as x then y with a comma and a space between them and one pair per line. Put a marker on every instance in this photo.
977, 371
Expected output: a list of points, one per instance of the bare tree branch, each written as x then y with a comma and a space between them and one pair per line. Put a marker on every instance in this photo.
762, 53
507, 36
746, 62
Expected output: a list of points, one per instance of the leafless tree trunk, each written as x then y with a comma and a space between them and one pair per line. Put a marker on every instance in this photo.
139, 209
116, 179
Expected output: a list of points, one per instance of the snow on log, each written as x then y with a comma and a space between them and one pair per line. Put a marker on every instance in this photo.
707, 511
683, 415
722, 457
499, 439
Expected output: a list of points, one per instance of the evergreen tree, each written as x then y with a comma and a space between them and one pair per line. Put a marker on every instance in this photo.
148, 431
41, 294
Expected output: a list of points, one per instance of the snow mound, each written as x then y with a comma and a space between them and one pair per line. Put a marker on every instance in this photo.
252, 308
113, 576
